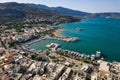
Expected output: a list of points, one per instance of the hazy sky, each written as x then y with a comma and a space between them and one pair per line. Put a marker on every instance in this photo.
82, 5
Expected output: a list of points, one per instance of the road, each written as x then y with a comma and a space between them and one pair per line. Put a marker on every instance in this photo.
3, 44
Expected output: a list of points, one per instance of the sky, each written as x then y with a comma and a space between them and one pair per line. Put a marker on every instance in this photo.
93, 6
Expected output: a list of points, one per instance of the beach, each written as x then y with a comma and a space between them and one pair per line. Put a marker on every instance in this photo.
57, 33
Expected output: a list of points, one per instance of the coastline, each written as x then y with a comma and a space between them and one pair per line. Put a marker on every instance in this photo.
57, 33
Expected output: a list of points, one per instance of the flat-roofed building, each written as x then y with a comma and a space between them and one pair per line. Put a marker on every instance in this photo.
37, 77
104, 66
66, 74
55, 72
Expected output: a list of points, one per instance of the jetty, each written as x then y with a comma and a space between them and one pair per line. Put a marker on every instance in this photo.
67, 39
76, 29
53, 46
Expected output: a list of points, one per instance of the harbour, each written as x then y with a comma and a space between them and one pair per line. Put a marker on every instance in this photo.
89, 42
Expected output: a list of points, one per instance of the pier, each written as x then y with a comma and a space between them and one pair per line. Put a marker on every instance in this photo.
67, 39
76, 29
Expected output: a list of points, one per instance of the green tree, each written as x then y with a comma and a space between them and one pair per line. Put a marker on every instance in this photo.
47, 53
39, 58
73, 62
56, 60
13, 43
32, 56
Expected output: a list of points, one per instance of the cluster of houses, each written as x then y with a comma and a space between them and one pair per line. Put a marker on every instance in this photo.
16, 66
78, 56
27, 34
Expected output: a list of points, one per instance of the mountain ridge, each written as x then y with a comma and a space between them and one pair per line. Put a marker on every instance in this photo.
59, 9
82, 14
13, 10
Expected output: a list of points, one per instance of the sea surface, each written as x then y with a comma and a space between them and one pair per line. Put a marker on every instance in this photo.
97, 34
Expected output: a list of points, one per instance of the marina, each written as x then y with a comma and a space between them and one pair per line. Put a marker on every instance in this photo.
53, 46
59, 45
89, 42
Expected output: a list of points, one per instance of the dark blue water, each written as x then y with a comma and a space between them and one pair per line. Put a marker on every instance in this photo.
98, 34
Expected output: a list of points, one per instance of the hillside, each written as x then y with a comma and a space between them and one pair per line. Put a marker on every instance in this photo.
61, 10
70, 11
12, 11
81, 14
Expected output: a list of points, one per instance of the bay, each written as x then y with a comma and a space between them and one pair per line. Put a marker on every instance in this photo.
98, 34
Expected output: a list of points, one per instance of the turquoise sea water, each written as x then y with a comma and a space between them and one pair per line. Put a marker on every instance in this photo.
99, 34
